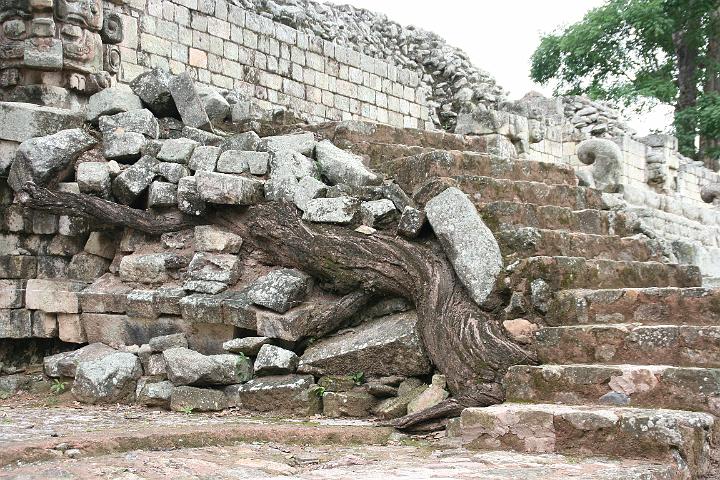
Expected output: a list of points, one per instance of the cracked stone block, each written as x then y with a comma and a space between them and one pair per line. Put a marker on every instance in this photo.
87, 267
136, 121
23, 121
411, 222
300, 142
248, 141
162, 194
211, 267
189, 200
308, 188
211, 239
124, 147
93, 178
177, 150
341, 167
153, 88
172, 172
188, 102
338, 210
280, 290
378, 213
232, 161
44, 325
110, 101
53, 296
204, 159
272, 360
221, 188
133, 181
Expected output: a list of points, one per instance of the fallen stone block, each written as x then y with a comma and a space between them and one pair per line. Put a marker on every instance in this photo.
153, 88
172, 172
148, 268
23, 121
124, 147
204, 286
106, 294
308, 188
200, 308
191, 399
216, 107
249, 346
467, 241
280, 290
300, 142
430, 397
397, 407
227, 189
110, 101
246, 141
378, 213
384, 346
339, 210
215, 267
177, 150
135, 121
165, 342
188, 102
133, 181
65, 364
272, 360
356, 403
102, 244
201, 136
110, 379
87, 267
411, 222
292, 326
233, 161
152, 393
211, 239
237, 310
188, 367
162, 194
341, 167
53, 296
141, 303
204, 159
168, 299
287, 393
189, 200
15, 323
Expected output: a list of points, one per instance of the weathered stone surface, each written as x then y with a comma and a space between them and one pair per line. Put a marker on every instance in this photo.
337, 383
227, 189
188, 102
137, 121
189, 200
12, 293
430, 397
232, 370
87, 267
47, 160
15, 323
53, 296
355, 403
286, 393
300, 142
184, 399
291, 326
160, 344
215, 267
411, 222
204, 158
162, 194
22, 121
397, 407
339, 210
126, 330
211, 239
272, 360
102, 244
141, 303
200, 308
280, 290
308, 188
128, 186
110, 379
187, 367
341, 167
216, 107
247, 141
124, 147
44, 325
153, 89
70, 328
111, 101
201, 136
606, 159
106, 294
148, 268
205, 286
378, 213
467, 241
172, 172
151, 393
177, 150
249, 346
18, 266
65, 364
168, 299
385, 346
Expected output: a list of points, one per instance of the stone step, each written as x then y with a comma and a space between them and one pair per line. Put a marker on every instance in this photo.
594, 222
680, 345
648, 306
562, 273
656, 386
528, 242
486, 189
414, 171
682, 439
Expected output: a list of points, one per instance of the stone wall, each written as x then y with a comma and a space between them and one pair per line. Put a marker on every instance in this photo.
231, 48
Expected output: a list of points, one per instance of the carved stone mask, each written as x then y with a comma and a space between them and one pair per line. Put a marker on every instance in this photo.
85, 13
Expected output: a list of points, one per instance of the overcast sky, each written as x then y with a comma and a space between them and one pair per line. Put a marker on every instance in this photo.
499, 36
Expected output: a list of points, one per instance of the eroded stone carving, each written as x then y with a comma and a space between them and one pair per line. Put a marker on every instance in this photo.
710, 193
61, 43
606, 159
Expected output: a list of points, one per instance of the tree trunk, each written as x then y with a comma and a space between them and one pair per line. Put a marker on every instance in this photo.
686, 52
710, 145
462, 340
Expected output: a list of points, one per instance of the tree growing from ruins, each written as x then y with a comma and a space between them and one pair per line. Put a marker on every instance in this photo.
639, 52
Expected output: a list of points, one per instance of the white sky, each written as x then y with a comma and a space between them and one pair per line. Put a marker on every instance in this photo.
499, 36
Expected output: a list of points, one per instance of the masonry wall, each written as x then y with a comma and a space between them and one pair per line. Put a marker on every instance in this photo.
227, 47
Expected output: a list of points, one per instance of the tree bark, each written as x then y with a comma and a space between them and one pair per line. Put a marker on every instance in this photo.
710, 144
463, 341
687, 53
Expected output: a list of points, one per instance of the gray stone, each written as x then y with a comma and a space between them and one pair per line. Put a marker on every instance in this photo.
233, 161
216, 107
87, 267
53, 296
106, 294
355, 403
191, 399
12, 293
378, 213
247, 141
151, 393
44, 325
110, 101
177, 150
615, 398
215, 267
397, 407
189, 200
148, 268
211, 239
339, 166
430, 397
411, 222
248, 110
385, 346
23, 121
257, 162
205, 286
201, 136
272, 360
237, 310
308, 188
467, 241
286, 393
110, 379
188, 102
289, 163
65, 364
160, 344
199, 308
233, 369
221, 188
15, 323
47, 160
93, 178
606, 158
204, 159
168, 300
281, 187
339, 210
249, 346
292, 326
153, 89
141, 304
187, 367
280, 290
133, 181
124, 147
172, 172
300, 142
154, 365
162, 194
102, 244
136, 121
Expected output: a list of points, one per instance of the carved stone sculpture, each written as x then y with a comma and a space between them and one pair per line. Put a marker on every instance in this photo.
711, 192
70, 44
606, 158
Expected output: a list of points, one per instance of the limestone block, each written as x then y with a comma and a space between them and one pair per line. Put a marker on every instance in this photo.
110, 379
153, 88
227, 189
272, 360
308, 188
172, 172
211, 239
111, 101
177, 150
124, 147
189, 200
53, 296
280, 290
93, 178
339, 210
339, 166
204, 159
188, 102
22, 121
136, 121
15, 323
162, 194
70, 328
303, 143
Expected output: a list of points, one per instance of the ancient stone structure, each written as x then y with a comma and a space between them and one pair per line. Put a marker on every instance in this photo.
193, 238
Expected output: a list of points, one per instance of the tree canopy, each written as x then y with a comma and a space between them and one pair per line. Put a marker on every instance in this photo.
637, 52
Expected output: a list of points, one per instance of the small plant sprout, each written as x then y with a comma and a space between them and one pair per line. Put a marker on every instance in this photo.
318, 391
186, 410
358, 378
58, 387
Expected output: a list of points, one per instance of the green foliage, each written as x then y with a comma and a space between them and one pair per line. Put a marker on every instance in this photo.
706, 115
186, 410
58, 387
358, 378
318, 391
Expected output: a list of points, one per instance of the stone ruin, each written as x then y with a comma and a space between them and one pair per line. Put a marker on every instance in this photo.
168, 213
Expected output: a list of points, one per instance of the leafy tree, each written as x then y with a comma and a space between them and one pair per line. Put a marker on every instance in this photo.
637, 52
